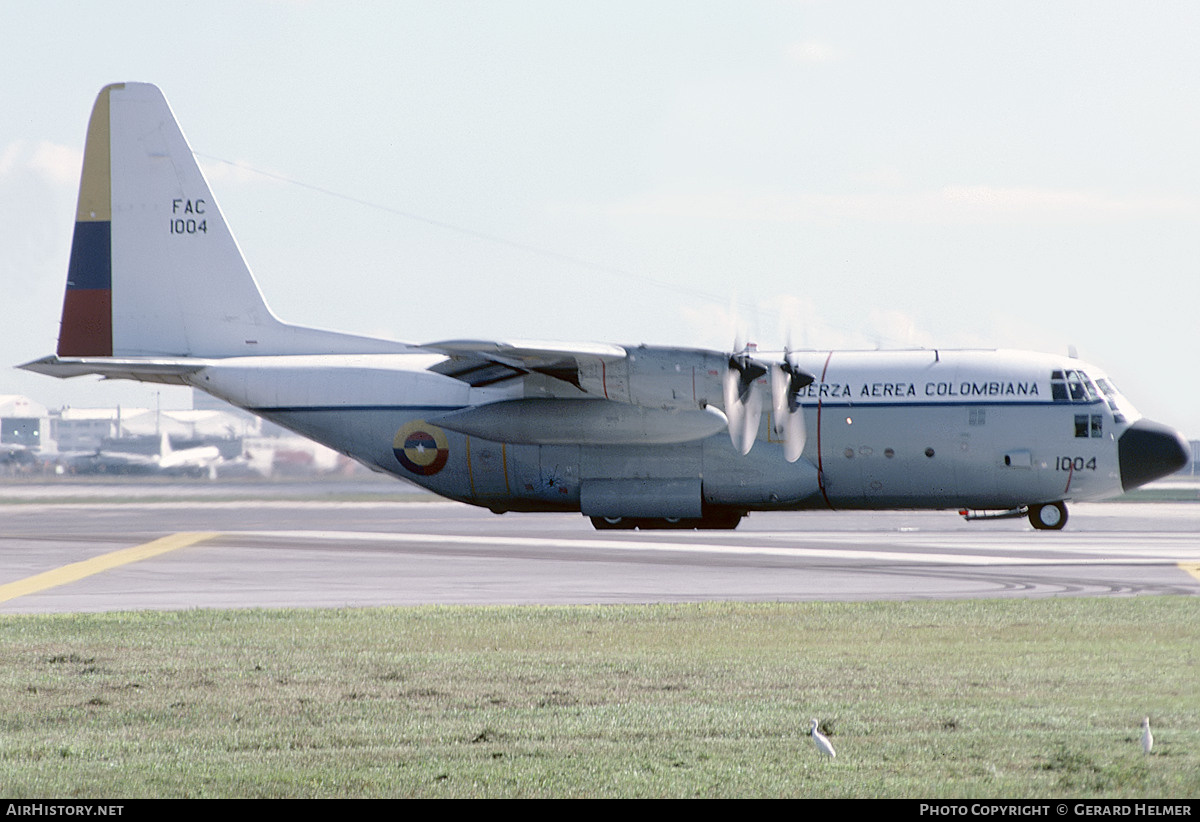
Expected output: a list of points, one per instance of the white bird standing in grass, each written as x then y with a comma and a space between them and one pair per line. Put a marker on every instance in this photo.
1147, 737
824, 747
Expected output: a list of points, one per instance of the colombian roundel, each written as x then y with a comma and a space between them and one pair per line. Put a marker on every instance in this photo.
421, 448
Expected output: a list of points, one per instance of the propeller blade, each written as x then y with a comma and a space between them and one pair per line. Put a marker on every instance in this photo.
735, 411
751, 415
794, 435
787, 380
780, 404
743, 404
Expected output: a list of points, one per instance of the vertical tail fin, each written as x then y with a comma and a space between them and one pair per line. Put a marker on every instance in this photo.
87, 306
154, 269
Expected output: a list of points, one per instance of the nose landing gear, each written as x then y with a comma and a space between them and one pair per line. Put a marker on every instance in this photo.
1049, 517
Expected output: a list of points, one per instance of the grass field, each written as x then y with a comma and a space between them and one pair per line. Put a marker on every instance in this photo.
986, 698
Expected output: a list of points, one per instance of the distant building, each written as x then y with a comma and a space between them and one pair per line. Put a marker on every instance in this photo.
224, 423
23, 422
84, 429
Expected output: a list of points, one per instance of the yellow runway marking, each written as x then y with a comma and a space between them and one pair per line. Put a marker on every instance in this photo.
1192, 568
78, 570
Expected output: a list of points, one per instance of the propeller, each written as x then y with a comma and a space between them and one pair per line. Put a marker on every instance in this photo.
787, 380
743, 404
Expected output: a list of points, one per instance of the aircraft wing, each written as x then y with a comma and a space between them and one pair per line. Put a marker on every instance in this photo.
482, 362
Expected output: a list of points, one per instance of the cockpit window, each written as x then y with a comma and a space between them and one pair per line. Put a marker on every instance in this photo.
1086, 389
1113, 396
1072, 386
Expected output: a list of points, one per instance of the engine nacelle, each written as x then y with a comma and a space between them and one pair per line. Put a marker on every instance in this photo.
671, 379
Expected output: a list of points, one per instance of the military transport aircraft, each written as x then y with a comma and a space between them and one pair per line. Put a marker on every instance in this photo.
631, 436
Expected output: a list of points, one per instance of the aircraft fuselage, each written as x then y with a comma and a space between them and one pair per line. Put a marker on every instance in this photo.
886, 429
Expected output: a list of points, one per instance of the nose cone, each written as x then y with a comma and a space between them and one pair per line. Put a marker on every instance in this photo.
1149, 451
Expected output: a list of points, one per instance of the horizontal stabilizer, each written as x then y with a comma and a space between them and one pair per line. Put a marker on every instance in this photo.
167, 371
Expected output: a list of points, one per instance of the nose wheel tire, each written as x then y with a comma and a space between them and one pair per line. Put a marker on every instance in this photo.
1050, 517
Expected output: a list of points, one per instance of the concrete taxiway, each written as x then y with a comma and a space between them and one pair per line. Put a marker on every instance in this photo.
107, 556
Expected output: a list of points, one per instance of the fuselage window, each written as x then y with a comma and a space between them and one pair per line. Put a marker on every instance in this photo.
1089, 425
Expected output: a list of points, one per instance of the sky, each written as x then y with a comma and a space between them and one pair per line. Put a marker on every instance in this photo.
813, 173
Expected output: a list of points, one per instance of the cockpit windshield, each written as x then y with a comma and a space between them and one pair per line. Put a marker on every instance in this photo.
1072, 386
1113, 397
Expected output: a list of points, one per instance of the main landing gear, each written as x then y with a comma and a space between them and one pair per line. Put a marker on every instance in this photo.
1051, 516
712, 520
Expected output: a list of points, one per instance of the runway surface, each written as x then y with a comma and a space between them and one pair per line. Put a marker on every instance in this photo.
69, 557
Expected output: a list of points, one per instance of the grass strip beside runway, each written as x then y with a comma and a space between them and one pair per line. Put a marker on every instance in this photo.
983, 698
